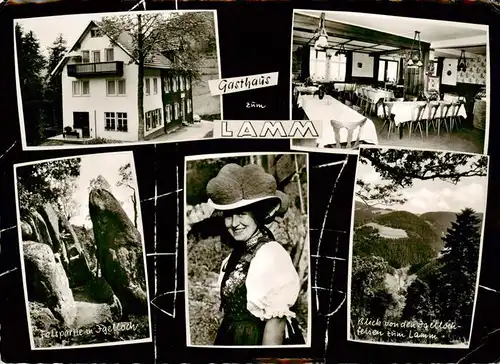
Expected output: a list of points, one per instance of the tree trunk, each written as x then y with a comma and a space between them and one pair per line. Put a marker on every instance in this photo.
134, 202
140, 75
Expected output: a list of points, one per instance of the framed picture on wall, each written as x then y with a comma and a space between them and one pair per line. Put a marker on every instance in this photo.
432, 69
433, 84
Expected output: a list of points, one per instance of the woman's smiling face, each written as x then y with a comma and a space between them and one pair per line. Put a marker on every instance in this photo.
241, 225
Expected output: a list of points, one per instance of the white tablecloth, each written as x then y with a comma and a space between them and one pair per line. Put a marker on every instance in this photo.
403, 110
375, 95
306, 89
344, 86
330, 108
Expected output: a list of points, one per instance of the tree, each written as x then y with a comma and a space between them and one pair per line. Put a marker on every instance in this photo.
419, 303
369, 293
31, 63
458, 273
125, 173
66, 203
99, 183
399, 168
173, 36
53, 87
45, 182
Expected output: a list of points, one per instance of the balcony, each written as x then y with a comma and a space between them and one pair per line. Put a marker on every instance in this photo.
114, 68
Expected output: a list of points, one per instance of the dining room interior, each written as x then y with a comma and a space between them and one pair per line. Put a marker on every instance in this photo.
385, 80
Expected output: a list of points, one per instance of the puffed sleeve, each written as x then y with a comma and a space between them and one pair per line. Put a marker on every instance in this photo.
272, 283
222, 270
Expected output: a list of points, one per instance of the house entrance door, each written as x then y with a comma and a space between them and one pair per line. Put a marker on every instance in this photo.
81, 121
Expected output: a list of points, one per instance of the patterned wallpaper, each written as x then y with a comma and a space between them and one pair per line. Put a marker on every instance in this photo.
475, 73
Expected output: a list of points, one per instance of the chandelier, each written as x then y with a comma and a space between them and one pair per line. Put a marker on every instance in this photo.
322, 37
462, 62
415, 58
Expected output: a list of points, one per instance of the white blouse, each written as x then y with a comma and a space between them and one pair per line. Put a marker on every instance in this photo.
272, 282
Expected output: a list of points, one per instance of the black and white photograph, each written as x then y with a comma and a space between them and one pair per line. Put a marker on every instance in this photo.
416, 247
82, 251
390, 81
100, 79
247, 250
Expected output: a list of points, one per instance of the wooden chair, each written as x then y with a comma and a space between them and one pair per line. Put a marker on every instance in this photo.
368, 104
417, 114
455, 118
387, 117
433, 109
443, 117
350, 127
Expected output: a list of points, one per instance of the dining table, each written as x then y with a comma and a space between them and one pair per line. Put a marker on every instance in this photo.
344, 86
403, 111
375, 94
330, 108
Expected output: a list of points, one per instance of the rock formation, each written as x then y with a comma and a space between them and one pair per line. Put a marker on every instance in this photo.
47, 281
119, 251
51, 220
55, 264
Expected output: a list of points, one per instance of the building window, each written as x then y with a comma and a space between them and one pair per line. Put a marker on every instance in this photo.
188, 82
95, 33
189, 106
111, 87
110, 121
110, 55
319, 62
148, 120
157, 118
121, 121
174, 83
153, 119
85, 56
81, 88
168, 114
166, 84
183, 109
176, 111
147, 86
387, 71
181, 83
122, 89
96, 56
155, 85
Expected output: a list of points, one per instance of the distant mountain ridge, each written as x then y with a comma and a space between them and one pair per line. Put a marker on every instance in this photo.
381, 232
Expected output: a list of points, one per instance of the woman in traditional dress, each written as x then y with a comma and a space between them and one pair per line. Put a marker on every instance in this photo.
258, 282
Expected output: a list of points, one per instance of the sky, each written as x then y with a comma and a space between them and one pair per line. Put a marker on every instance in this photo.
437, 195
107, 165
47, 29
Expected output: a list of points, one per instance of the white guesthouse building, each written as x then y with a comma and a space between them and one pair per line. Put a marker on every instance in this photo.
99, 90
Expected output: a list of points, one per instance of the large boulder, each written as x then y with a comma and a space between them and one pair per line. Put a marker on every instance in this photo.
51, 219
27, 231
47, 281
79, 271
40, 231
119, 251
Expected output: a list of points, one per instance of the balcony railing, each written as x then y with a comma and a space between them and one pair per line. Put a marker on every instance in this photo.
114, 68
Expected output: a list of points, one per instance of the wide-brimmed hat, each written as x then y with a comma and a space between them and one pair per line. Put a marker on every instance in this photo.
236, 187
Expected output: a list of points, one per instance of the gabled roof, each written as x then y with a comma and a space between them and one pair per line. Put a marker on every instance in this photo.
124, 41
157, 60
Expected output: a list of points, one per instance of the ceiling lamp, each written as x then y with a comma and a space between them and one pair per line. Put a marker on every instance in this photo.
462, 62
341, 50
415, 58
322, 37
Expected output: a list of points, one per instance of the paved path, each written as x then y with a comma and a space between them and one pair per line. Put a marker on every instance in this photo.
192, 132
